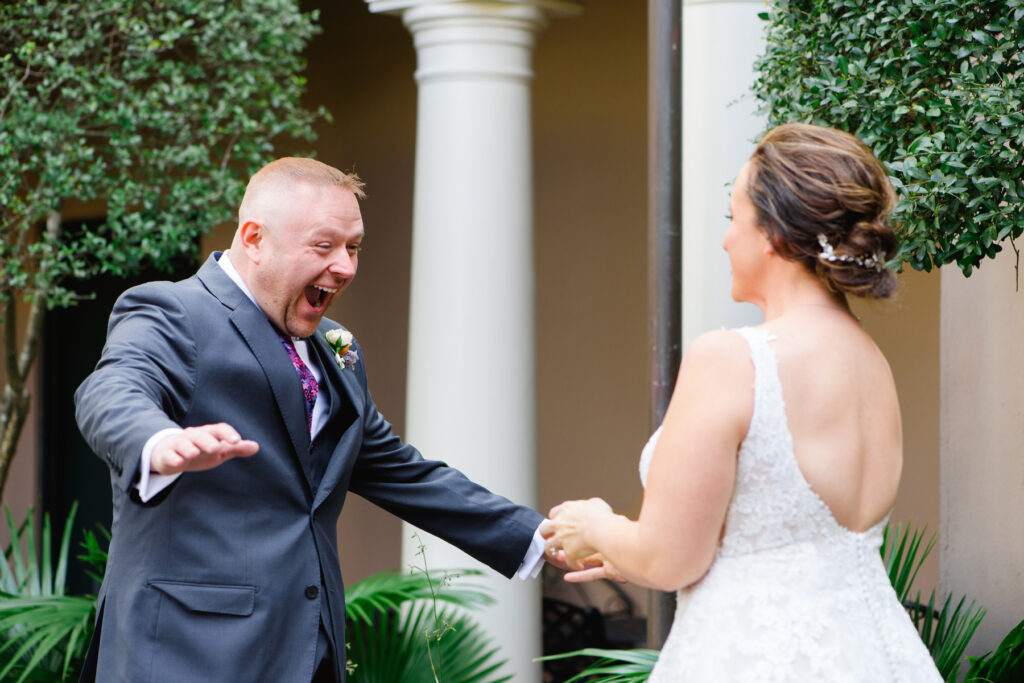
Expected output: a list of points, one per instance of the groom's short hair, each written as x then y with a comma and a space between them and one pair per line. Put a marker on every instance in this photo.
296, 170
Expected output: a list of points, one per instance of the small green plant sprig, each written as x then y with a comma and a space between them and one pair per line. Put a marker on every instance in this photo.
935, 88
442, 626
398, 631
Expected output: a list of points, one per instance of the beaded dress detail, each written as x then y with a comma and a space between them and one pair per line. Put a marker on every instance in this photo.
791, 594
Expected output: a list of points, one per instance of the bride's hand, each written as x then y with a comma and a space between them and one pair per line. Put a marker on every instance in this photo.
569, 527
596, 567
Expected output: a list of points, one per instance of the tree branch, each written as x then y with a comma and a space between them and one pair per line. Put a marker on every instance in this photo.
11, 418
10, 344
3, 104
1016, 266
17, 398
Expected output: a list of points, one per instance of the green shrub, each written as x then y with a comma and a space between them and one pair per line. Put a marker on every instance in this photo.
154, 111
935, 88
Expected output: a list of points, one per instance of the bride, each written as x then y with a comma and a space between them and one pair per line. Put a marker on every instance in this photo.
772, 476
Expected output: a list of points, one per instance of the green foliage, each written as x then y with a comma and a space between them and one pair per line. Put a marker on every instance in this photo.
946, 631
389, 590
1005, 664
613, 666
903, 556
393, 647
935, 88
397, 633
156, 109
44, 634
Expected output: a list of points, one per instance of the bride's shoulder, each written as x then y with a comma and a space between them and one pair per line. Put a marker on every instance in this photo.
714, 388
724, 342
719, 352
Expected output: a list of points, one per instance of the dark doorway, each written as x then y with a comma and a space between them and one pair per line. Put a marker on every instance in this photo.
71, 345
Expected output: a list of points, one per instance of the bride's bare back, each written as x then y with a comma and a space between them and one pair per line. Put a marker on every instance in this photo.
843, 412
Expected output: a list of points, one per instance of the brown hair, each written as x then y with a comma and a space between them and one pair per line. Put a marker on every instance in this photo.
807, 181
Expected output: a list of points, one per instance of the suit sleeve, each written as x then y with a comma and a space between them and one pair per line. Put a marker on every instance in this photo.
144, 380
439, 499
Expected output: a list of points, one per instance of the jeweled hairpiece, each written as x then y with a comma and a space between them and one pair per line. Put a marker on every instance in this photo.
875, 260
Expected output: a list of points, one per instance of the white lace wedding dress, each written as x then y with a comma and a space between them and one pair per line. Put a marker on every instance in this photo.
791, 595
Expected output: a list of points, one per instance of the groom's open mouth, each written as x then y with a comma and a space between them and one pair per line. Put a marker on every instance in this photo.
318, 296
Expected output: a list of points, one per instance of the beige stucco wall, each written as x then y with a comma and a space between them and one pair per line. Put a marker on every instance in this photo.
907, 330
981, 444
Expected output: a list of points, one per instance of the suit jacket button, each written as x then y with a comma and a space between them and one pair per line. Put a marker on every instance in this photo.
312, 592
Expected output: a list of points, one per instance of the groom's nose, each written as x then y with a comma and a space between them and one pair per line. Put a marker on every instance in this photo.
343, 265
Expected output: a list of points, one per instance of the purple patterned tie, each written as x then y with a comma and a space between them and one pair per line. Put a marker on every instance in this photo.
309, 385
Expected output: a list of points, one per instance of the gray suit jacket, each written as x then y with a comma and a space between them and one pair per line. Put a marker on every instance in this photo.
222, 575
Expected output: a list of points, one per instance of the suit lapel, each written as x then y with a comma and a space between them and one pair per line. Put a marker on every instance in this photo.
345, 408
342, 392
265, 345
284, 383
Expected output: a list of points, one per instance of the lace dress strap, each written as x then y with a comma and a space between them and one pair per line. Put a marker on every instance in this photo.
769, 407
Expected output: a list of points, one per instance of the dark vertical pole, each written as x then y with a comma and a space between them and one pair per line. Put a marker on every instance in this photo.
665, 169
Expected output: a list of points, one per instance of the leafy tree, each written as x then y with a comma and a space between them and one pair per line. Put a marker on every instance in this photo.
155, 110
935, 88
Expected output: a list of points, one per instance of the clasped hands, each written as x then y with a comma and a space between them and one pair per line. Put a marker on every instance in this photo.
567, 536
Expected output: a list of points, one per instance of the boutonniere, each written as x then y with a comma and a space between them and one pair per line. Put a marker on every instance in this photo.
340, 341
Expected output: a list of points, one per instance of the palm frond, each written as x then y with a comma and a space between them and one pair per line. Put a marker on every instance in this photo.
947, 630
43, 632
14, 581
903, 556
1005, 664
94, 555
397, 646
390, 589
612, 666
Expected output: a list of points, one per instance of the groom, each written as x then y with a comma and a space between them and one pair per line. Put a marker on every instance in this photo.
233, 433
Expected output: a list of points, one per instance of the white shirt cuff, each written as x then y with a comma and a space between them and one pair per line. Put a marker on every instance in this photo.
151, 483
534, 560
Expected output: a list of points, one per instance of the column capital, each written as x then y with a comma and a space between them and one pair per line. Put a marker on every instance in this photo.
687, 3
554, 7
478, 40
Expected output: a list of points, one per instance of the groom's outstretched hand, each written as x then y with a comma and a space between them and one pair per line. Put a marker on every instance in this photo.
199, 448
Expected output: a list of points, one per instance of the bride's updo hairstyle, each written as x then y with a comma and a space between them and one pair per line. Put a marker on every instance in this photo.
823, 199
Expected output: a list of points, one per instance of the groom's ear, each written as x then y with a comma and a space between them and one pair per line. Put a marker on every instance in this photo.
251, 236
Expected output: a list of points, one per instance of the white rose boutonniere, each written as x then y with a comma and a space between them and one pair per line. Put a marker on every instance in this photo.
340, 341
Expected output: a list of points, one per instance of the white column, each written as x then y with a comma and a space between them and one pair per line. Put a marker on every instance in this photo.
721, 40
471, 396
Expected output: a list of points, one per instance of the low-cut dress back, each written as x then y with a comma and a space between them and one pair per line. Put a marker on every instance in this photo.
791, 595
